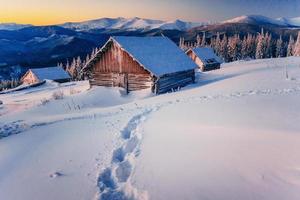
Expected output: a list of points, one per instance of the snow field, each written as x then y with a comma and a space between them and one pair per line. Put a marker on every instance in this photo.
232, 135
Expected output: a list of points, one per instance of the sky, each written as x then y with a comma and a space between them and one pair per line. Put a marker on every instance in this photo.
45, 12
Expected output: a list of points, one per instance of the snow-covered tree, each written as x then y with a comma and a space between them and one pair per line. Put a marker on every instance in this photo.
268, 45
250, 46
203, 42
223, 48
218, 44
297, 46
290, 48
72, 69
234, 48
260, 46
60, 65
279, 48
198, 40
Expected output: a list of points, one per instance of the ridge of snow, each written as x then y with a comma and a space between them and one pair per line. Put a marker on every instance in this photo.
254, 19
130, 23
291, 21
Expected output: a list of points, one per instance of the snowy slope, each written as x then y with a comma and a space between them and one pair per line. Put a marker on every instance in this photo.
291, 21
129, 24
232, 135
261, 20
256, 19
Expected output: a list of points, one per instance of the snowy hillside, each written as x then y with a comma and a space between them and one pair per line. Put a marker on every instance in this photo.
232, 135
259, 19
291, 21
129, 24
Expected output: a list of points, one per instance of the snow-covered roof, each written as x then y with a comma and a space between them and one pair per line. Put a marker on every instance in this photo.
159, 55
205, 54
50, 73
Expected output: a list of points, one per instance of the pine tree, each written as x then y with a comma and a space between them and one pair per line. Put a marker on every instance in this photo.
203, 42
72, 69
260, 46
223, 48
78, 67
244, 48
60, 65
67, 67
233, 48
87, 58
296, 51
198, 39
268, 46
238, 46
279, 48
217, 45
290, 48
212, 43
252, 46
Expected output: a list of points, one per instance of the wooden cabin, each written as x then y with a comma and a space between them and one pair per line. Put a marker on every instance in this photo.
137, 63
205, 58
36, 75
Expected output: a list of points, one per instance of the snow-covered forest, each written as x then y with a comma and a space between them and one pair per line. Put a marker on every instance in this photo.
259, 46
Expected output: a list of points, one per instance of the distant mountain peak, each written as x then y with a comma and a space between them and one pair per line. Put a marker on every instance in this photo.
260, 19
291, 21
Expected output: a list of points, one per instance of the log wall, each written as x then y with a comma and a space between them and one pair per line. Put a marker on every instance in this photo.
203, 67
29, 78
174, 81
195, 58
116, 60
116, 68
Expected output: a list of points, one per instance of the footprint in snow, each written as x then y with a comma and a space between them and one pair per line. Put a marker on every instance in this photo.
56, 175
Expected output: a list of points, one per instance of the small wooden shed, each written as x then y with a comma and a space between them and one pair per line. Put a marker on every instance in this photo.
136, 63
36, 75
205, 58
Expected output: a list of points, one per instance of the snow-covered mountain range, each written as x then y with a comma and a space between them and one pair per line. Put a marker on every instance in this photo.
137, 23
27, 45
130, 24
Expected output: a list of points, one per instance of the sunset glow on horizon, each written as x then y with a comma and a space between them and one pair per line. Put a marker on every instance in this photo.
59, 11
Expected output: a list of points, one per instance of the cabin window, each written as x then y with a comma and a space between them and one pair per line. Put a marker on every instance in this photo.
211, 61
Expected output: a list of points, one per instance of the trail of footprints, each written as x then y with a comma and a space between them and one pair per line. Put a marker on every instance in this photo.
114, 181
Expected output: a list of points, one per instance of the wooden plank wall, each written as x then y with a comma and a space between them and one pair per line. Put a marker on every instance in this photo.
203, 67
210, 67
139, 82
118, 61
197, 60
131, 82
116, 68
174, 81
29, 78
